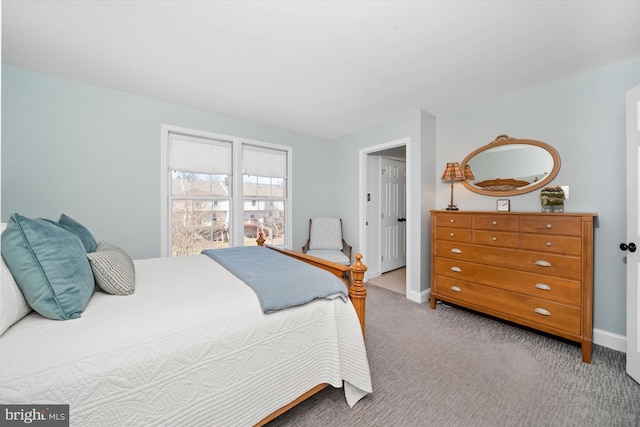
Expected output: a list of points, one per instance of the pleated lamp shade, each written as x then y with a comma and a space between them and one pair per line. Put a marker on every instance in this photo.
452, 172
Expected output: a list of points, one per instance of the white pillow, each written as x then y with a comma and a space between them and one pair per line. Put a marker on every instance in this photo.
13, 306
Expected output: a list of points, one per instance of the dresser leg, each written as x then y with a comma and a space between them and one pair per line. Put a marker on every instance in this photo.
586, 351
432, 301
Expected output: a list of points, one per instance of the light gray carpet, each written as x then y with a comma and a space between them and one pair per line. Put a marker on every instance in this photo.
450, 367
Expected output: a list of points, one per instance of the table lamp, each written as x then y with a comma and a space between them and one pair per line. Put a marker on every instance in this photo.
453, 173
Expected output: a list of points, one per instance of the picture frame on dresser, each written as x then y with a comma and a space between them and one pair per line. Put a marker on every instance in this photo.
534, 269
503, 205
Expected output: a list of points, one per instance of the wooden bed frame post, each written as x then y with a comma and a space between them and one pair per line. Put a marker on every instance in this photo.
357, 291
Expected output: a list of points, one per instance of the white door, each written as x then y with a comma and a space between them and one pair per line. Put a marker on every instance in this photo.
394, 214
633, 230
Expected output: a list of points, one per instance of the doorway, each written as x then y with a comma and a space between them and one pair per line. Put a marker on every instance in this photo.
394, 280
384, 221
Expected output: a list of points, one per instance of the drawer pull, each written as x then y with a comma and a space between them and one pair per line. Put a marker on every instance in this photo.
456, 251
495, 223
451, 234
494, 238
542, 286
542, 263
549, 244
452, 221
456, 269
549, 226
456, 289
542, 311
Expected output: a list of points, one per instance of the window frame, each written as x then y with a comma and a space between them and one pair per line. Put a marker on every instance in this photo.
236, 195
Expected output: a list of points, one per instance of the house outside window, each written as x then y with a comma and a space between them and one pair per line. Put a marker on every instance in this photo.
264, 193
201, 209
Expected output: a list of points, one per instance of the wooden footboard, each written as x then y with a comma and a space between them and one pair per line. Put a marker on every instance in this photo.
285, 408
352, 276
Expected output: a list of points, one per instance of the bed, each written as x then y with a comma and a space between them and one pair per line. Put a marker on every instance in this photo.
191, 346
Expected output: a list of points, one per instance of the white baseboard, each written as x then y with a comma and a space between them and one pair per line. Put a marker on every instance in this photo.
610, 340
419, 297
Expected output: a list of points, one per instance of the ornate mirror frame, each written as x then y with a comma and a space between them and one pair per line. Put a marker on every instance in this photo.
502, 140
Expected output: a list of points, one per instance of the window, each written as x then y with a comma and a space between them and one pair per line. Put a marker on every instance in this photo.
220, 191
200, 193
264, 177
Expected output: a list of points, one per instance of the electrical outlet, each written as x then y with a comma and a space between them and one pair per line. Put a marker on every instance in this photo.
565, 188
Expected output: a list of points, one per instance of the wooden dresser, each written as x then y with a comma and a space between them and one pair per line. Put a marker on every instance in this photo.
531, 268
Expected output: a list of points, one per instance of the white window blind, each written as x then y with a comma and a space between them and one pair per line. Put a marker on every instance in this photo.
199, 155
266, 162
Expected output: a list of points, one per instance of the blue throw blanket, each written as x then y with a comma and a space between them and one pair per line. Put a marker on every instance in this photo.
278, 280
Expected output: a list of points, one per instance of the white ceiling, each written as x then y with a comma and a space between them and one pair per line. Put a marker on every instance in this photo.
323, 68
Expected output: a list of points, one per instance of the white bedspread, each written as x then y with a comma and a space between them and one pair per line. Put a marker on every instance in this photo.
190, 347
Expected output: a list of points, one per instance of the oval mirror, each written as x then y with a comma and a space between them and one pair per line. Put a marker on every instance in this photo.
510, 166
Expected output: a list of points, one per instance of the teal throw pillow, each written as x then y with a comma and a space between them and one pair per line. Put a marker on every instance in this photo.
49, 265
70, 224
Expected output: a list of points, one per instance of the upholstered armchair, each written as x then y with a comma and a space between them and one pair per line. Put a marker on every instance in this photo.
326, 242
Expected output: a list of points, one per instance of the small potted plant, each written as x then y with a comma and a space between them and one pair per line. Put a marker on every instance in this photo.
552, 199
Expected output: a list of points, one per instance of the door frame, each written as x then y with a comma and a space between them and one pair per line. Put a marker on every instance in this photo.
632, 259
362, 185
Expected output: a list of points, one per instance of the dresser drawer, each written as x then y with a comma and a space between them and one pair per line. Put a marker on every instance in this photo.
496, 238
540, 311
552, 225
453, 234
453, 220
496, 222
535, 285
564, 266
552, 243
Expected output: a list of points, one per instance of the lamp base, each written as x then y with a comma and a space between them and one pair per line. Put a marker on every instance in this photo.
452, 208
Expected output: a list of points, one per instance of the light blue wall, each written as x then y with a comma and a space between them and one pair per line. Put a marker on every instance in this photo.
419, 127
94, 154
583, 117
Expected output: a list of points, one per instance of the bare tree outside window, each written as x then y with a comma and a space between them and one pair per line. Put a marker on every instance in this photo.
264, 209
200, 214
